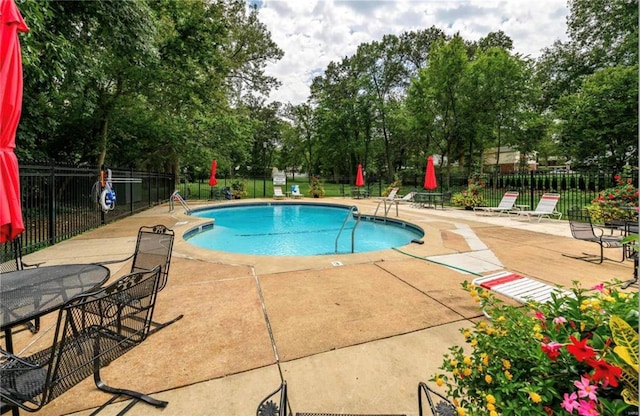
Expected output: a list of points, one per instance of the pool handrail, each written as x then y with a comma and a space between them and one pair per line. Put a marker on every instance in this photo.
352, 208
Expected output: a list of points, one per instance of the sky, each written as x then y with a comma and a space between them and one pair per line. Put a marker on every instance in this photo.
313, 33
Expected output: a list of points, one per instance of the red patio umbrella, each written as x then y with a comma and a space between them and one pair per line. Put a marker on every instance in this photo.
11, 23
430, 175
359, 176
212, 179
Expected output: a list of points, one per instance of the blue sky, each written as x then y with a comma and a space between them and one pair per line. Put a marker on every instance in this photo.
313, 33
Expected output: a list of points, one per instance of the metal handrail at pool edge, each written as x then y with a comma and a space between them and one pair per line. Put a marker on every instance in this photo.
346, 218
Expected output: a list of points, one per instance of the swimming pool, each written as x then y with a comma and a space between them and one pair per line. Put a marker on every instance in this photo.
300, 229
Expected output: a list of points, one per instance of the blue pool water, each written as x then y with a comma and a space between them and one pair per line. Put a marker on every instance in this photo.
296, 230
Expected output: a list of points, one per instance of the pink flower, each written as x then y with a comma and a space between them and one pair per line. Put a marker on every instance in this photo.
559, 320
586, 408
540, 316
586, 389
570, 402
599, 288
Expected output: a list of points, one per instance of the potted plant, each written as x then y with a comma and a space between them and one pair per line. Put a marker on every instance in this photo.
472, 196
239, 188
575, 354
316, 188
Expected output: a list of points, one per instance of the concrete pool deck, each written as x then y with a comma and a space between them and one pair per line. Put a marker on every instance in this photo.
350, 333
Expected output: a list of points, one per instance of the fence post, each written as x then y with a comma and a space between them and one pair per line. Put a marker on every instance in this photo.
131, 205
52, 208
531, 189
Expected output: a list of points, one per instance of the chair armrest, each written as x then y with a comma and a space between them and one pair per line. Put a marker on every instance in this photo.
600, 231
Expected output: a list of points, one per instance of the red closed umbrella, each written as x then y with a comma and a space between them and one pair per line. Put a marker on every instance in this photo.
359, 176
11, 23
430, 175
212, 179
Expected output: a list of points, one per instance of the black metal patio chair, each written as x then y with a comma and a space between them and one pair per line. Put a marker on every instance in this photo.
154, 247
277, 404
583, 229
440, 406
92, 330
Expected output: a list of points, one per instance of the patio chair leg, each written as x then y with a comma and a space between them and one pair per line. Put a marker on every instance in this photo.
133, 394
122, 392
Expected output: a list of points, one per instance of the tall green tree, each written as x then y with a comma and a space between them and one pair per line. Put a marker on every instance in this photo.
600, 122
438, 99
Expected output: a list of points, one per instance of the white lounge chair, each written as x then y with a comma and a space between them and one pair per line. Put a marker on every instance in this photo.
391, 196
505, 205
277, 193
295, 191
519, 288
546, 208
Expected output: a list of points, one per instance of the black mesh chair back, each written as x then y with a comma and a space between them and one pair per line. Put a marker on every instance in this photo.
91, 331
154, 248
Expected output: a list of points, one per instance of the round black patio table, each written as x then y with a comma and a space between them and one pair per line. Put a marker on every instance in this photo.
31, 293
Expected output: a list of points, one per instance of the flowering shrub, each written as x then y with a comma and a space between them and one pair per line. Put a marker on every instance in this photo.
577, 354
316, 188
472, 197
615, 203
397, 183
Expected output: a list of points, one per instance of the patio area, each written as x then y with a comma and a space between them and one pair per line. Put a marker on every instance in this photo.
354, 337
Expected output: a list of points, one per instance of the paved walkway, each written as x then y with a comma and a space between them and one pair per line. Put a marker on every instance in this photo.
355, 338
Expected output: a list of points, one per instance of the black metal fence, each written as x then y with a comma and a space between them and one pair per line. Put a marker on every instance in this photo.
575, 188
60, 202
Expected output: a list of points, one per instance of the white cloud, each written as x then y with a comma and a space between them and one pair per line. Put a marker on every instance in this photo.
314, 33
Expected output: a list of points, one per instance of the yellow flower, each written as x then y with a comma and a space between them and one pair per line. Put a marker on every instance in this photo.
485, 360
506, 364
482, 324
537, 328
455, 371
488, 378
473, 293
467, 372
493, 413
501, 318
467, 360
461, 411
622, 295
480, 369
490, 331
609, 299
439, 381
535, 397
539, 337
453, 363
466, 334
474, 342
491, 406
508, 375
476, 300
490, 398
484, 295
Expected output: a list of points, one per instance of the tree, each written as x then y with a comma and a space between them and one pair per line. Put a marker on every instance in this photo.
600, 121
439, 101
